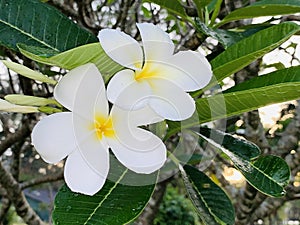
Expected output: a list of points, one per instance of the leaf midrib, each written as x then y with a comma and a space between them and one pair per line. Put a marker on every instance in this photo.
283, 85
204, 201
105, 197
242, 58
29, 35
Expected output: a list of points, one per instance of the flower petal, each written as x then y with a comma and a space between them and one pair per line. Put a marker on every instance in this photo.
121, 48
170, 101
53, 137
189, 70
139, 150
135, 118
80, 177
66, 88
92, 149
125, 92
90, 97
157, 44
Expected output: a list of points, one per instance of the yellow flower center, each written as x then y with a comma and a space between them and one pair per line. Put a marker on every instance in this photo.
148, 71
103, 127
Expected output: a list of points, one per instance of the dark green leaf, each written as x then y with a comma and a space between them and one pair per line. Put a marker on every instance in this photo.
212, 5
173, 6
238, 56
279, 86
230, 145
122, 199
268, 174
264, 8
201, 3
212, 203
226, 38
32, 22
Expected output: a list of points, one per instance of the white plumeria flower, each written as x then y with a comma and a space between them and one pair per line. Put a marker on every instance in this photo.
155, 76
87, 132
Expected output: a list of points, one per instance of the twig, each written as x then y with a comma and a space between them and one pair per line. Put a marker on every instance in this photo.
41, 180
11, 139
15, 194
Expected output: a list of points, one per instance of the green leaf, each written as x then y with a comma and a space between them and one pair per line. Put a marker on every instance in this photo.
6, 106
120, 200
173, 6
275, 87
247, 50
279, 86
264, 8
32, 22
213, 205
212, 5
29, 73
75, 57
268, 174
226, 38
201, 3
28, 100
238, 148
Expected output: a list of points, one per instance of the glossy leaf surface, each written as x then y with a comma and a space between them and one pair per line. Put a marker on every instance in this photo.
75, 57
44, 26
173, 6
212, 203
237, 56
268, 174
121, 199
279, 86
241, 148
264, 8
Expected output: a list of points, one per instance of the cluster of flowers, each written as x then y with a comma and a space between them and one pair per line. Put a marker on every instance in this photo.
152, 87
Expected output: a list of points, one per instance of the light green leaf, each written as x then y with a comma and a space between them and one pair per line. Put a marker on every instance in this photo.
75, 57
49, 109
264, 8
279, 86
173, 6
26, 72
6, 106
119, 201
30, 100
32, 22
212, 204
268, 174
244, 52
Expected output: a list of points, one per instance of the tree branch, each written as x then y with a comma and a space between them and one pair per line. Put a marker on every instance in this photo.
41, 180
11, 139
17, 197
